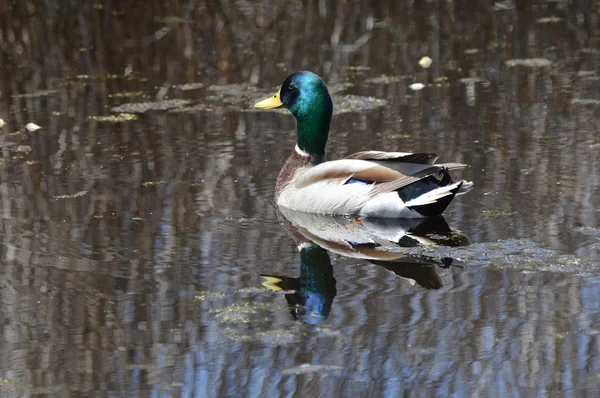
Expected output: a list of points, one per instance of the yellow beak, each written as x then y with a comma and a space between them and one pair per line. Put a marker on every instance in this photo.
270, 103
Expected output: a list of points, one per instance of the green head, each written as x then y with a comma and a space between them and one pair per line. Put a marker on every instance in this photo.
305, 95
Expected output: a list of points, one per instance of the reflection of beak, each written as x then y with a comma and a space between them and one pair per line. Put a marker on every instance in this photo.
270, 103
271, 283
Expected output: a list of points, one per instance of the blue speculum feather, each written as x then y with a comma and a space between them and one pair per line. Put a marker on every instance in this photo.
358, 181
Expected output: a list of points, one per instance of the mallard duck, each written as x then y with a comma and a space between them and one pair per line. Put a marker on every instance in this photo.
368, 183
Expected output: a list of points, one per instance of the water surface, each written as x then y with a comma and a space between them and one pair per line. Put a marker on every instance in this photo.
138, 223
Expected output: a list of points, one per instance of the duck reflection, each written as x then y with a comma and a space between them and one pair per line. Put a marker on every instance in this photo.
310, 296
379, 241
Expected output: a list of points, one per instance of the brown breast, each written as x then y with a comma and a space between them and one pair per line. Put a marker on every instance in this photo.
293, 163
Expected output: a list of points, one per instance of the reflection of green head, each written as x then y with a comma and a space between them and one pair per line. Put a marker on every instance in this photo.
317, 283
306, 96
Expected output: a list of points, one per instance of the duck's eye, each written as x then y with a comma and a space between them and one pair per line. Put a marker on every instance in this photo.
291, 86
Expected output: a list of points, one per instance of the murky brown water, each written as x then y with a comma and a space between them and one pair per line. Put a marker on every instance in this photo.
136, 248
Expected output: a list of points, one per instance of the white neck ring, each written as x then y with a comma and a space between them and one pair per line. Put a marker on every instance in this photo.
301, 152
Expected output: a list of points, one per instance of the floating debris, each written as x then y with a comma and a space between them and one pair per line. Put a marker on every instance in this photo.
119, 118
529, 62
356, 103
328, 332
590, 231
270, 337
75, 195
2, 123
32, 127
504, 5
471, 51
240, 313
359, 68
393, 136
585, 101
189, 86
199, 107
441, 81
9, 383
384, 79
308, 368
8, 144
126, 94
279, 337
24, 149
142, 107
519, 254
498, 213
152, 183
588, 75
41, 93
252, 290
416, 86
238, 335
208, 295
425, 62
240, 219
336, 88
471, 80
174, 20
552, 19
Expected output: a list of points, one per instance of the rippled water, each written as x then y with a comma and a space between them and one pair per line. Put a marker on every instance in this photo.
142, 253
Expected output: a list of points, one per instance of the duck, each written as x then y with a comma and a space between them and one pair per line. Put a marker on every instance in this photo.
369, 183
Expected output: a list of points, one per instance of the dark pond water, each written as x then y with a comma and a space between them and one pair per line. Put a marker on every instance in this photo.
141, 252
